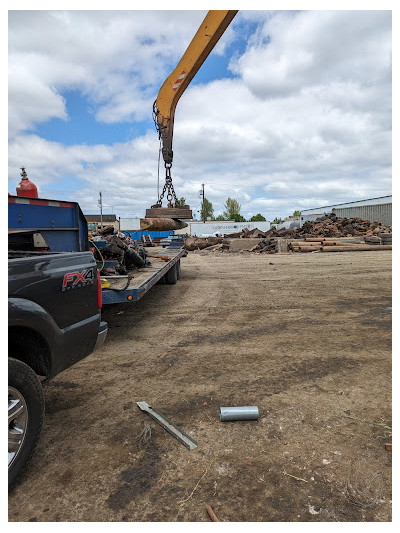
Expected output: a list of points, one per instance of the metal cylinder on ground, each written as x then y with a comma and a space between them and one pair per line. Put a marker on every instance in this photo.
249, 412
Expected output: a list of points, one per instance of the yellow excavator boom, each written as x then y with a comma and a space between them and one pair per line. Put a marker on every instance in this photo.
207, 36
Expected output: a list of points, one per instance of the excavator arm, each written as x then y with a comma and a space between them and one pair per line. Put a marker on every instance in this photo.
207, 36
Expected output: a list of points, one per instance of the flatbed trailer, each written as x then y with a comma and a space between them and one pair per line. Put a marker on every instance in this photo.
41, 225
131, 288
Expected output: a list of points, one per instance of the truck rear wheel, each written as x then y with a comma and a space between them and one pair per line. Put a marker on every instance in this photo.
25, 417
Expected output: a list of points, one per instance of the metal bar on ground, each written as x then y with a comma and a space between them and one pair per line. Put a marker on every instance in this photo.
168, 425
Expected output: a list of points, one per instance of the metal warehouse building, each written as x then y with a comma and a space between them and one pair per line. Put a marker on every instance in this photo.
373, 209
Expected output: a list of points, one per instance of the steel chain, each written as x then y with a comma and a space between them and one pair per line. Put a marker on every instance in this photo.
168, 187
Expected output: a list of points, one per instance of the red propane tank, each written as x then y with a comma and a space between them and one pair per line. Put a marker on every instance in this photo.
25, 187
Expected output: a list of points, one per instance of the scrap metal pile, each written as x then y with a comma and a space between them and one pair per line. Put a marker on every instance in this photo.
115, 252
333, 226
326, 234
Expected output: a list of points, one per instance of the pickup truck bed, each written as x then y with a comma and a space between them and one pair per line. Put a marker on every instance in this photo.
143, 278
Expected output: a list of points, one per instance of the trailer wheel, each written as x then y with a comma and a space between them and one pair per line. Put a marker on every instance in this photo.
25, 417
178, 269
171, 276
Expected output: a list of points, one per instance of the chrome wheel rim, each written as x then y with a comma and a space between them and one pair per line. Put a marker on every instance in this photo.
17, 423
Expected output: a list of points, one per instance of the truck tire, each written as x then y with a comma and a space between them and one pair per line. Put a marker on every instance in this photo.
171, 276
25, 417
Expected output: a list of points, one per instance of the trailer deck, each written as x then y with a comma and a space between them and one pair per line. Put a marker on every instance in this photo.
142, 279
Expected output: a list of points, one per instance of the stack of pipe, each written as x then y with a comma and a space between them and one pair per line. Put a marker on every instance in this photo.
313, 244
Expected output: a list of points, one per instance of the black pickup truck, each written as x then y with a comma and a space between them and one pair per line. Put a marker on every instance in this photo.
54, 320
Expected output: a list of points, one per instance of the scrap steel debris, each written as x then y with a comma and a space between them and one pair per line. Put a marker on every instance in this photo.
326, 234
198, 243
117, 252
333, 226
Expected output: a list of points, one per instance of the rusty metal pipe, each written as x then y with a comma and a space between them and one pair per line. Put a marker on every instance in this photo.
307, 248
194, 243
211, 514
320, 239
357, 248
161, 224
304, 243
341, 243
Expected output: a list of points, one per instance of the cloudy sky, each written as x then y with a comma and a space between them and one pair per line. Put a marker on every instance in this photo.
292, 109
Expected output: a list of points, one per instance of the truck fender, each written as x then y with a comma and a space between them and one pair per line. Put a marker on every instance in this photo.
27, 314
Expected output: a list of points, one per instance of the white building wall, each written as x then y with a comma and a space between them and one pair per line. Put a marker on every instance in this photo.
208, 229
199, 229
129, 224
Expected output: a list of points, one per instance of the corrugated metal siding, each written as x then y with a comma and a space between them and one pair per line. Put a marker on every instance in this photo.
357, 203
373, 213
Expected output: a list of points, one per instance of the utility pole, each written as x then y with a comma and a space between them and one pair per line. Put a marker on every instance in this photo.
204, 207
100, 204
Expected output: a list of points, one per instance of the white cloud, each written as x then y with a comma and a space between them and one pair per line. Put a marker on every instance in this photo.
293, 51
112, 56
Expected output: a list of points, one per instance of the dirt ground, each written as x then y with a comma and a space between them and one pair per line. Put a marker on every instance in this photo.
305, 337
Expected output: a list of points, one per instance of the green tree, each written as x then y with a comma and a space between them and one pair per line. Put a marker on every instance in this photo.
181, 201
220, 217
277, 220
296, 213
208, 209
238, 218
232, 209
257, 218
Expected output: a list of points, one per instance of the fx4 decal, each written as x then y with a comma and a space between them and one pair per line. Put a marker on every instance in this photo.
73, 280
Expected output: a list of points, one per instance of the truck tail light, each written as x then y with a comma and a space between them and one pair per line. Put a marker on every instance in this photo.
99, 296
